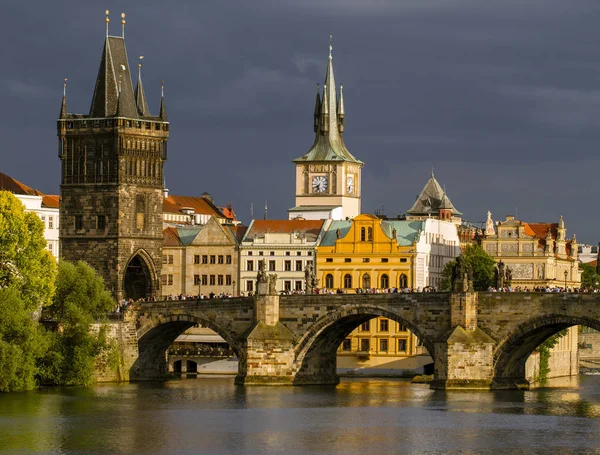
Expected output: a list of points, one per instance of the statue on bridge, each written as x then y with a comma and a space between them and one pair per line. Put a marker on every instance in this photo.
462, 276
262, 279
310, 278
500, 274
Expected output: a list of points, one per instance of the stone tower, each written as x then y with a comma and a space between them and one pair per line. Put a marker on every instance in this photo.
328, 176
112, 178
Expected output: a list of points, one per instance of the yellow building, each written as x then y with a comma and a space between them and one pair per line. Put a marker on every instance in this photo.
367, 253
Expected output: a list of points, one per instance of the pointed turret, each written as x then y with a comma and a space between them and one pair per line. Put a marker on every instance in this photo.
63, 106
114, 66
140, 95
317, 110
341, 111
431, 200
163, 109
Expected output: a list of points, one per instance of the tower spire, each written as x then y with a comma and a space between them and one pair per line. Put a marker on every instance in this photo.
140, 95
63, 106
163, 109
317, 109
341, 110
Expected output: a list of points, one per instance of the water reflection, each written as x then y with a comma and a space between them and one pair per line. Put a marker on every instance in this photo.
358, 416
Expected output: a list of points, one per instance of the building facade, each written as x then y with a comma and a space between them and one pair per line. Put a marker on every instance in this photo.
537, 254
285, 246
328, 176
112, 179
201, 260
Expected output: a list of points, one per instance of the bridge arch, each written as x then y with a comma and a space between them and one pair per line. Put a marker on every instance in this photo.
155, 337
512, 352
316, 350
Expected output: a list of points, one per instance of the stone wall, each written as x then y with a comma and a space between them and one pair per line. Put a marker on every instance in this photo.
590, 345
123, 335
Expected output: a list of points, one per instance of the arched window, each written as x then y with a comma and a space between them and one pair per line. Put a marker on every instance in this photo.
362, 234
366, 281
329, 280
385, 281
347, 281
403, 281
370, 234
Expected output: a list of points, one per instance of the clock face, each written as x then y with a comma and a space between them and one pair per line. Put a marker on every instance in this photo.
319, 184
350, 184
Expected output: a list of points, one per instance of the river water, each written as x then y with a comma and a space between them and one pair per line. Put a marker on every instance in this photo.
359, 416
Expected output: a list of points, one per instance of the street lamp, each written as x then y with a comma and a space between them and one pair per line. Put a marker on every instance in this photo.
566, 274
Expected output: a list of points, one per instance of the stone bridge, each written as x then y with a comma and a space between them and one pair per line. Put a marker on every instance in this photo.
477, 340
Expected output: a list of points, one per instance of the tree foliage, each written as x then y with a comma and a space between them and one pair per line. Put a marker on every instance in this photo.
589, 277
22, 343
80, 299
482, 264
25, 263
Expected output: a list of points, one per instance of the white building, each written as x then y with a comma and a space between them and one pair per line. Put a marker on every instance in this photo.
44, 206
286, 246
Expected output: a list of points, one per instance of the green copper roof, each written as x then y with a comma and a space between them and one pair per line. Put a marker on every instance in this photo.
331, 235
406, 231
187, 234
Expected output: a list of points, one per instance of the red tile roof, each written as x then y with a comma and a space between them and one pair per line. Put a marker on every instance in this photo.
238, 231
171, 237
310, 228
51, 201
200, 205
7, 183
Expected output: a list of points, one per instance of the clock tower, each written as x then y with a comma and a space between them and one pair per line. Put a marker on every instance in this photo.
328, 176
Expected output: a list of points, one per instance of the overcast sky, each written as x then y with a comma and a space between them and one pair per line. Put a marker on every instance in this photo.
501, 98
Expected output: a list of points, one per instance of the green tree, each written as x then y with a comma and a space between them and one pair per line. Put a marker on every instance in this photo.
80, 300
482, 264
589, 277
22, 343
25, 263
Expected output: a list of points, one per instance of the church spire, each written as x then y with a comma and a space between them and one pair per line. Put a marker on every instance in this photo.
63, 106
330, 119
317, 110
341, 110
140, 95
163, 109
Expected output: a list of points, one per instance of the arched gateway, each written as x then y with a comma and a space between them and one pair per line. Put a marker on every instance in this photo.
140, 280
477, 340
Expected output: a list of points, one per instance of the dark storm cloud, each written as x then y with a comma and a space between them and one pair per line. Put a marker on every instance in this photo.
501, 98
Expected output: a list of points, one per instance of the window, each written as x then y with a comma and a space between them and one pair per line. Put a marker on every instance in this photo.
213, 259
250, 266
228, 280
204, 280
196, 280
347, 259
140, 211
287, 253
170, 256
328, 259
221, 259
228, 259
401, 327
170, 279
298, 266
383, 325
366, 259
271, 266
403, 281
365, 326
298, 253
402, 259
363, 235
329, 280
50, 246
163, 280
347, 344
309, 253
366, 281
298, 285
51, 223
271, 253
196, 259
384, 259
385, 281
249, 253
383, 345
370, 234
220, 280
249, 285
212, 280
204, 259
287, 285
402, 345
164, 258
347, 281
364, 344
287, 266
260, 253
78, 222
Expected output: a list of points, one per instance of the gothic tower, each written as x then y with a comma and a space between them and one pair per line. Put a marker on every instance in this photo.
328, 176
112, 178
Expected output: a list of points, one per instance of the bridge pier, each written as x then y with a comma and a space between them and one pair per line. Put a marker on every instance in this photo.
268, 347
